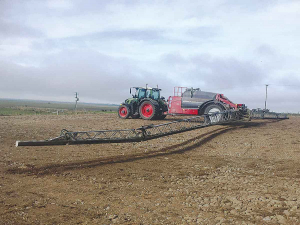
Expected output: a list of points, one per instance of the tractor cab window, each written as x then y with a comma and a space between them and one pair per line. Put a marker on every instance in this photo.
136, 94
155, 94
142, 93
149, 94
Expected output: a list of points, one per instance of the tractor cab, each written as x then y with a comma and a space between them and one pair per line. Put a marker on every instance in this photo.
152, 93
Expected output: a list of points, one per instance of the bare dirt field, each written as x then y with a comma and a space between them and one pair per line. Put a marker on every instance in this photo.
241, 173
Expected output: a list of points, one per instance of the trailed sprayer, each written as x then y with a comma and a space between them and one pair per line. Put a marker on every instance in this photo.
147, 103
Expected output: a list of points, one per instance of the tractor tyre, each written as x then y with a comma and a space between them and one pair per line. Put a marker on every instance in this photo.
211, 109
148, 110
123, 111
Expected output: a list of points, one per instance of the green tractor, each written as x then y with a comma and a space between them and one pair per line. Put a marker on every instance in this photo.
145, 103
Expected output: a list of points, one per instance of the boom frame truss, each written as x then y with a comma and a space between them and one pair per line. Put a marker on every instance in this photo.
143, 133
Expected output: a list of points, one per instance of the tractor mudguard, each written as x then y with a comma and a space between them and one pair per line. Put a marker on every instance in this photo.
162, 107
133, 107
148, 99
203, 106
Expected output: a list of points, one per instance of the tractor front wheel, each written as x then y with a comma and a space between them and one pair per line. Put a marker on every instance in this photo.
123, 112
148, 110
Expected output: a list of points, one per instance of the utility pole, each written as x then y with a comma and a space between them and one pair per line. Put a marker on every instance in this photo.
76, 100
266, 96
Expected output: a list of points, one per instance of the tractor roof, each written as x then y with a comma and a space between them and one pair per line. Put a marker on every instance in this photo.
148, 88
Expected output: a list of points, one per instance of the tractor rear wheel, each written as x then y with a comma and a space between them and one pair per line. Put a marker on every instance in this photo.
123, 112
148, 110
211, 109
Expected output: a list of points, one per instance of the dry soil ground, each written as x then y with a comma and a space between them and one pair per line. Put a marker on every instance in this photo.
242, 173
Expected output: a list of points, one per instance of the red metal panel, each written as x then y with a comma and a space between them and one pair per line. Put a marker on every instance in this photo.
223, 99
174, 105
190, 111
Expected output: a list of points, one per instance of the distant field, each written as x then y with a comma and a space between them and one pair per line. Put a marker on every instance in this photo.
10, 107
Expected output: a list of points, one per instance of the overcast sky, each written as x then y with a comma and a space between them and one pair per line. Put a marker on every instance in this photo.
51, 49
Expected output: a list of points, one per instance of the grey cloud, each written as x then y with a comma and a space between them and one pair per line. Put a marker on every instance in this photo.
147, 35
215, 71
21, 9
241, 81
266, 50
107, 79
11, 30
73, 64
93, 75
248, 6
95, 6
204, 32
290, 80
111, 36
174, 58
